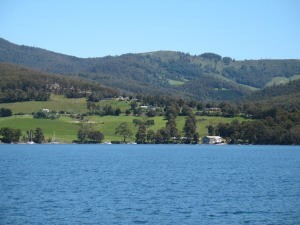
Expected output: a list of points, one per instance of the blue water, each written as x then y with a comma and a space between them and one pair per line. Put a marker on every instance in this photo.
151, 184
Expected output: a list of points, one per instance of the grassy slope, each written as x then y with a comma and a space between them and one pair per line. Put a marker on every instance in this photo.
108, 124
123, 105
281, 80
56, 102
64, 128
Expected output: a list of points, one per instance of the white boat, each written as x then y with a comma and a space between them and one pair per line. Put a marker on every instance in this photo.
53, 141
30, 137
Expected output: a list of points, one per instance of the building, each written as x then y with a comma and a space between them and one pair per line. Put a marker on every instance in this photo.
213, 140
45, 110
213, 110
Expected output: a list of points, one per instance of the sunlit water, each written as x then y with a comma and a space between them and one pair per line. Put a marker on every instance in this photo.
150, 184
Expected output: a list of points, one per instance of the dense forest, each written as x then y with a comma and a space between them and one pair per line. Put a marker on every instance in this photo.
202, 77
286, 96
22, 84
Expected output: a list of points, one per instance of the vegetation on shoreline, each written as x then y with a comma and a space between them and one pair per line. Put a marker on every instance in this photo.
163, 122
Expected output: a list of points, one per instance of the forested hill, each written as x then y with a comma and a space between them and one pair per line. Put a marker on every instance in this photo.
285, 96
206, 77
23, 84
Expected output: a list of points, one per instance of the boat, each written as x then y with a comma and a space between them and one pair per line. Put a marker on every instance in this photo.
53, 141
30, 135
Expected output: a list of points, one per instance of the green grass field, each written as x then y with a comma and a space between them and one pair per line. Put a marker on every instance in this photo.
65, 128
123, 105
108, 124
56, 102
61, 103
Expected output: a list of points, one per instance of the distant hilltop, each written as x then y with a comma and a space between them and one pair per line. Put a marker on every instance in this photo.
208, 76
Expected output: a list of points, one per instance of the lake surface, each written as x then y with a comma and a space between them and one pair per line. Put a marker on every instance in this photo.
149, 184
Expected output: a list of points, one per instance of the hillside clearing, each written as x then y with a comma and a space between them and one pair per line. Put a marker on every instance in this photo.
57, 103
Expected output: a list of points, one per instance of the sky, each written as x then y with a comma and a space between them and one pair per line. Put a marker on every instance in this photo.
256, 29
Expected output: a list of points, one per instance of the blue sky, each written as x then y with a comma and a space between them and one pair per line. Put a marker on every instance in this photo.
240, 29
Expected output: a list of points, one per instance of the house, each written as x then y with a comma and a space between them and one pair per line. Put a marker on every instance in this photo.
45, 110
144, 107
213, 110
213, 140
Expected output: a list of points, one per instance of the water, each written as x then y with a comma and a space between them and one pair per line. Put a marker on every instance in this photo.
152, 184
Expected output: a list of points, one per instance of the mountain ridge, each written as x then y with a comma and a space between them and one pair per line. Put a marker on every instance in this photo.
207, 76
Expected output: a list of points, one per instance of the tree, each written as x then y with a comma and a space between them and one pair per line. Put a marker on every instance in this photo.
151, 136
40, 115
86, 134
141, 135
123, 130
118, 112
10, 135
38, 136
107, 110
127, 112
172, 111
4, 112
186, 110
171, 127
95, 136
211, 130
190, 129
133, 105
151, 113
82, 133
200, 106
162, 136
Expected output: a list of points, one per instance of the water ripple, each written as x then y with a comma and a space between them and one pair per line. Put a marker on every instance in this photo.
149, 185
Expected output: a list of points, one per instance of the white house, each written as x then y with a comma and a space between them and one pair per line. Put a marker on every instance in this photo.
45, 110
213, 140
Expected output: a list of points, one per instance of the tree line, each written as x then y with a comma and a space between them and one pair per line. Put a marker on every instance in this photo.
12, 135
276, 127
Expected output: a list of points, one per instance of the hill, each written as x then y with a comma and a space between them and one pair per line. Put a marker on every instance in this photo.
23, 84
285, 96
204, 77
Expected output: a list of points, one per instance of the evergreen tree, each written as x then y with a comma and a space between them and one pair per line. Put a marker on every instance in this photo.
38, 136
190, 129
172, 129
141, 135
4, 112
151, 136
211, 130
162, 136
10, 135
